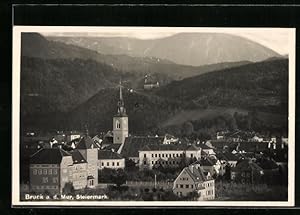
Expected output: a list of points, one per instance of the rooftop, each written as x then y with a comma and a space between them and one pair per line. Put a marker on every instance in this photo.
86, 142
107, 154
48, 156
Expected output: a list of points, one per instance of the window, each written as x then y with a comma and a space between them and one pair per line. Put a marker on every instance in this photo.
145, 163
192, 155
186, 186
177, 155
102, 164
181, 185
163, 155
151, 155
34, 171
156, 155
118, 164
118, 125
40, 171
152, 162
55, 180
107, 164
113, 163
173, 155
144, 155
50, 171
192, 186
176, 185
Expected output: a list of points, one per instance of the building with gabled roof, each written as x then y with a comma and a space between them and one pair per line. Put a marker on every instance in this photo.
149, 155
49, 170
247, 171
111, 160
133, 144
52, 168
89, 150
194, 179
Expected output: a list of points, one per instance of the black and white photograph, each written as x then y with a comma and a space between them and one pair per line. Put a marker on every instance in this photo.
153, 116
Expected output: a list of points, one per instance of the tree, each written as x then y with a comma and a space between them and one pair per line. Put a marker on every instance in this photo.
68, 189
119, 177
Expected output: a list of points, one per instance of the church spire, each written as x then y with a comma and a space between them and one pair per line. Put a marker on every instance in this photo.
121, 108
121, 96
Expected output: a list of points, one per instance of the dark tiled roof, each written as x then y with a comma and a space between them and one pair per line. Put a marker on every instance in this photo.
227, 156
106, 154
107, 140
204, 146
206, 162
221, 144
132, 145
169, 147
86, 142
253, 146
112, 147
246, 165
196, 173
48, 156
267, 164
77, 157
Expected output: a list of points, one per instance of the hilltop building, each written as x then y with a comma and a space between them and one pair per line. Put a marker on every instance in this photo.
150, 83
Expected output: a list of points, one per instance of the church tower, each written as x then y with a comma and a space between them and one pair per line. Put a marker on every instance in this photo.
120, 122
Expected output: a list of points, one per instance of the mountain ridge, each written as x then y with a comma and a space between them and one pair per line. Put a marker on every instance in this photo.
182, 48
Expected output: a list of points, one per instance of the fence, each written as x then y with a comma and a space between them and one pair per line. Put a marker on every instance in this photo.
159, 184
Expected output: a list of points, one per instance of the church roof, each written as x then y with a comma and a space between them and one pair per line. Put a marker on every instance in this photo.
86, 142
48, 156
134, 144
106, 154
169, 147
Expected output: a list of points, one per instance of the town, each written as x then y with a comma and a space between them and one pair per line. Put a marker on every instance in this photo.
235, 165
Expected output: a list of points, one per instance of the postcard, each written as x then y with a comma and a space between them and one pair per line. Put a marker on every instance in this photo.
153, 116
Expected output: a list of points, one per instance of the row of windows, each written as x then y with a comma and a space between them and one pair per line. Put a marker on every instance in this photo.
184, 179
163, 162
209, 184
112, 164
184, 186
168, 155
246, 174
44, 171
46, 180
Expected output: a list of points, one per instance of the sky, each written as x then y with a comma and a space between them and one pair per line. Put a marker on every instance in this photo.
276, 39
